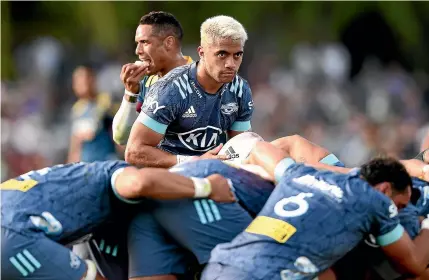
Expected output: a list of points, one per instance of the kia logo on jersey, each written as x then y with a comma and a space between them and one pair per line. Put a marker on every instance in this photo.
200, 139
229, 108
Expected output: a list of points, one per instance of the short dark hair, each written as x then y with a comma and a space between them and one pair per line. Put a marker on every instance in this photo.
164, 23
386, 169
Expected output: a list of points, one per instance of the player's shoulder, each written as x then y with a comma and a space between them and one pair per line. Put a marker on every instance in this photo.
108, 164
174, 84
148, 81
239, 86
104, 101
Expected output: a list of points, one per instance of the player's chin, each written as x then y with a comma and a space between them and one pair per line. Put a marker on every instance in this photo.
224, 79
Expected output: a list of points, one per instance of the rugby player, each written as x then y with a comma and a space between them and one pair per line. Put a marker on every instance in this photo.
366, 259
91, 123
193, 109
159, 48
158, 37
45, 209
313, 218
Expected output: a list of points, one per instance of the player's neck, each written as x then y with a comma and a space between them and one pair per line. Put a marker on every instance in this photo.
178, 60
208, 84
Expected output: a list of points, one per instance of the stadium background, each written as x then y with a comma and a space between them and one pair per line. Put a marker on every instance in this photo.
351, 76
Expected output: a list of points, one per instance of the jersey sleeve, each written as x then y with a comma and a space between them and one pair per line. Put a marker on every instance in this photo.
160, 107
387, 228
289, 169
245, 110
118, 170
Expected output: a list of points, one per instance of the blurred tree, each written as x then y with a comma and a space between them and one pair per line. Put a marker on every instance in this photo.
109, 24
6, 54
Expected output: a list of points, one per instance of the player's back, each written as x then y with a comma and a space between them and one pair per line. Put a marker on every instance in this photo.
311, 219
251, 190
64, 201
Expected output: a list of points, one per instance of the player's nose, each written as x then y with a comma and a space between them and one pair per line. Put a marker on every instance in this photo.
230, 64
139, 50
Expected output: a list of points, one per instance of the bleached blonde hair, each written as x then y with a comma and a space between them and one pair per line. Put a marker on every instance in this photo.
222, 27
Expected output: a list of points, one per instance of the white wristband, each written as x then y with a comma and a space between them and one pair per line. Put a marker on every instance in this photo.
130, 93
132, 96
203, 187
91, 270
181, 158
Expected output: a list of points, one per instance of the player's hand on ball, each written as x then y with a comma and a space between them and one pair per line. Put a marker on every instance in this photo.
131, 74
213, 154
221, 189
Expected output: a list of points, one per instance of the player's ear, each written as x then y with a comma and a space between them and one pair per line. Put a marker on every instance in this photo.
200, 51
169, 43
384, 187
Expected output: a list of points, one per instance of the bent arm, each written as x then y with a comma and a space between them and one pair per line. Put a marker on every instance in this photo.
301, 149
410, 256
130, 184
141, 149
269, 157
123, 120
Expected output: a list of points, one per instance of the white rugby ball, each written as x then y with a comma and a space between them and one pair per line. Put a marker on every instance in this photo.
240, 146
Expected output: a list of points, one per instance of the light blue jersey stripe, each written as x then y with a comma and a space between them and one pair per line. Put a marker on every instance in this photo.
24, 261
200, 213
18, 266
207, 210
102, 245
32, 259
152, 124
215, 210
241, 126
390, 237
115, 251
281, 168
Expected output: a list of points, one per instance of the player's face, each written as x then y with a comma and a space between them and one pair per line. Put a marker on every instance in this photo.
83, 82
222, 59
401, 199
150, 48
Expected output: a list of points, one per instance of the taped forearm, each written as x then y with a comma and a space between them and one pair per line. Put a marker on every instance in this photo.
123, 121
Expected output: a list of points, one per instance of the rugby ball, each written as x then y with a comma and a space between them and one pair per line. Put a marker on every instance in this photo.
239, 147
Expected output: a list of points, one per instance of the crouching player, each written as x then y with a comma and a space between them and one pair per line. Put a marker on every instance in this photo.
313, 218
367, 259
45, 209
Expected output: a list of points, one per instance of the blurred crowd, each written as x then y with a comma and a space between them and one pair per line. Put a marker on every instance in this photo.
383, 110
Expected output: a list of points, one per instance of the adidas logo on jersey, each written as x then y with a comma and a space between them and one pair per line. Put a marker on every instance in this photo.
190, 113
231, 153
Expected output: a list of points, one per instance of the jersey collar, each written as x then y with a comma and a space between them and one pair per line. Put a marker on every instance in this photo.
193, 74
